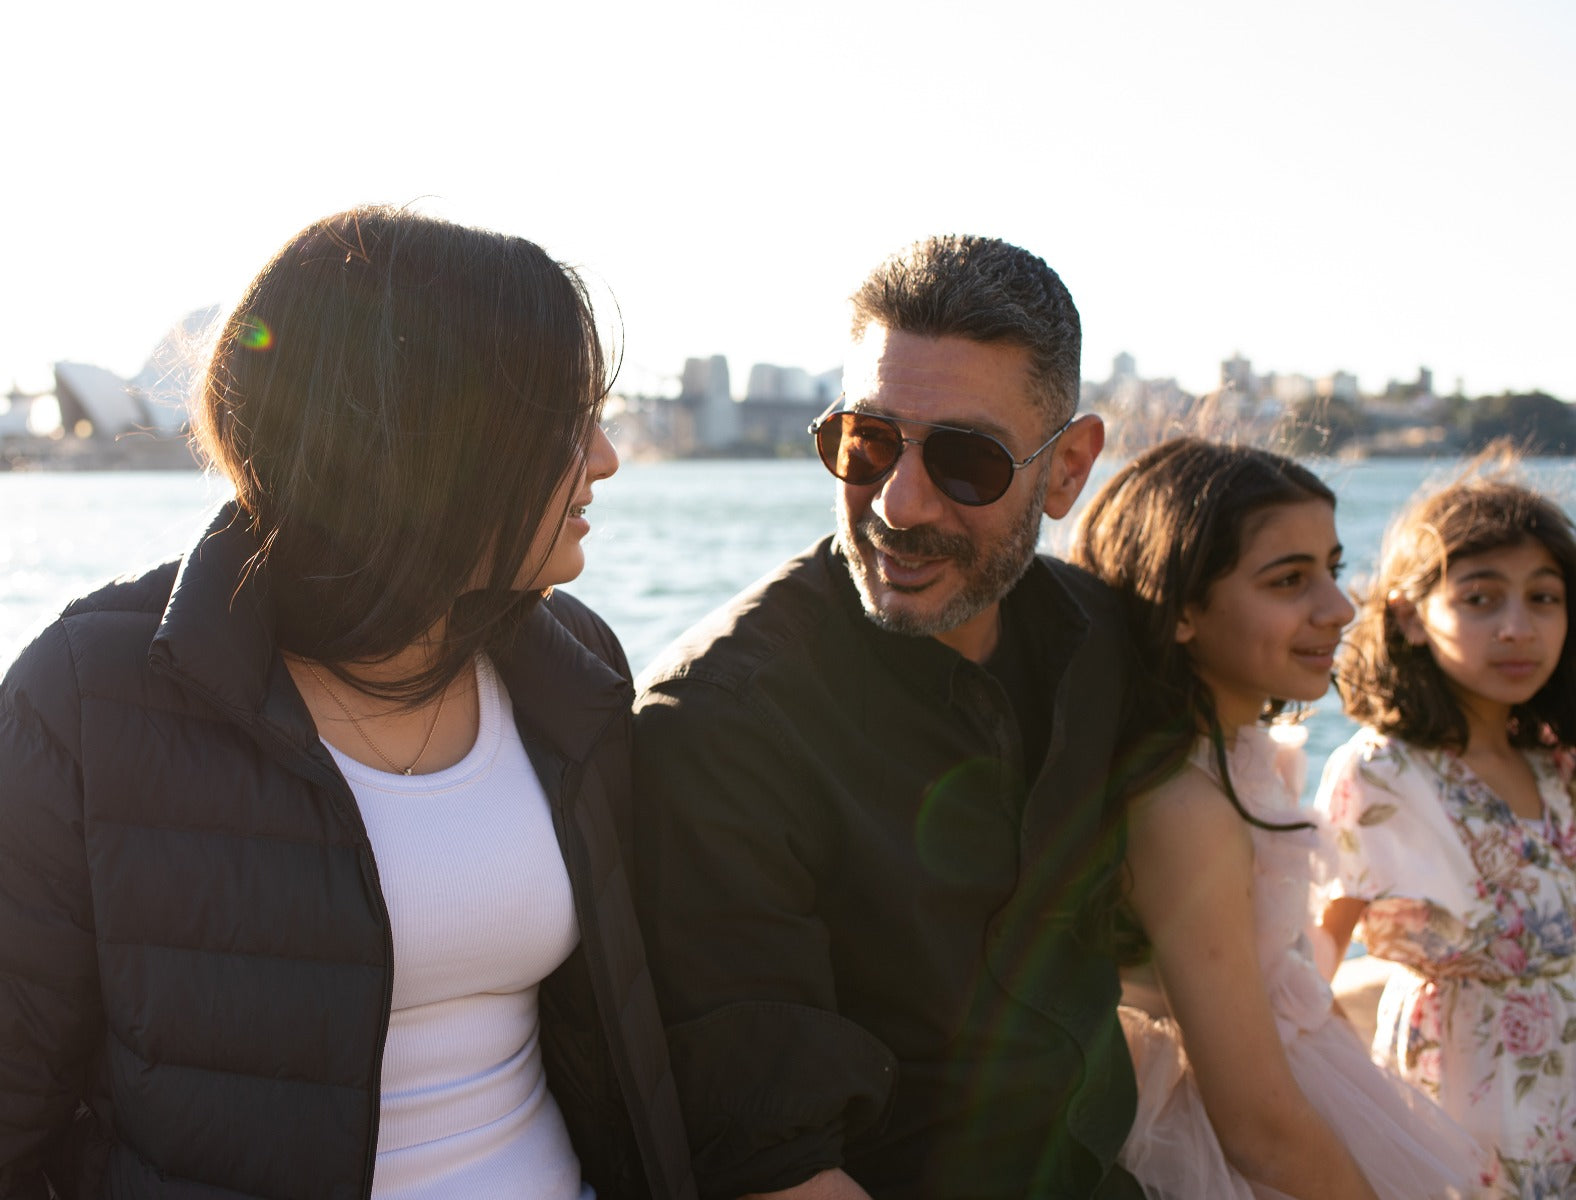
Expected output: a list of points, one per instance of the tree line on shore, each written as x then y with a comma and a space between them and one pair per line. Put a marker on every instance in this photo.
1538, 423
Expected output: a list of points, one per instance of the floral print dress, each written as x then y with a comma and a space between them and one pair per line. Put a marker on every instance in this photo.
1480, 906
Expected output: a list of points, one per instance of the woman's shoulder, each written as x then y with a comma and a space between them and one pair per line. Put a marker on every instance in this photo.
107, 630
1267, 765
1184, 821
113, 607
1368, 762
1554, 767
589, 629
1383, 785
1377, 759
1186, 807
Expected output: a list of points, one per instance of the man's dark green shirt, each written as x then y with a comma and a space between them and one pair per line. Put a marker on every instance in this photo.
875, 934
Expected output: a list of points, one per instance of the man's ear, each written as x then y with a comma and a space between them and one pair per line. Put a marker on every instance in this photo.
1407, 619
1075, 453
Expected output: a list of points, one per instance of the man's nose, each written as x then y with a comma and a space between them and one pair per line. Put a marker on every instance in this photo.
907, 498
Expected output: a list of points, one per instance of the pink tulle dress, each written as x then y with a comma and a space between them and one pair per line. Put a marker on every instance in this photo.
1406, 1146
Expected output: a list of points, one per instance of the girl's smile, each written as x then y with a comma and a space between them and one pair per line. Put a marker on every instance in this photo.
1269, 628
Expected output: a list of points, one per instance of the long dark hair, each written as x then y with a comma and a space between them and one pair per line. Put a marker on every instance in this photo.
396, 399
1398, 688
1161, 531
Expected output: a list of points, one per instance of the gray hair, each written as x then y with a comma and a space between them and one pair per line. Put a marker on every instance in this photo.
988, 291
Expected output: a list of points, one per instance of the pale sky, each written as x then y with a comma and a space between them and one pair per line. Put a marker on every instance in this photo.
1367, 185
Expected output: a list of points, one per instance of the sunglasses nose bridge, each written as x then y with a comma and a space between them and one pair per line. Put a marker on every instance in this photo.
909, 493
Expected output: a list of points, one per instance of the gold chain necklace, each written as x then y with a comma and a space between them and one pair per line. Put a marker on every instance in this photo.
345, 708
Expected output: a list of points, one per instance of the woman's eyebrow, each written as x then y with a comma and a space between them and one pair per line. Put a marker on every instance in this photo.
1493, 574
1286, 560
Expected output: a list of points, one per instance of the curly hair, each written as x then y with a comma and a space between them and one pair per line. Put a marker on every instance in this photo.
1397, 688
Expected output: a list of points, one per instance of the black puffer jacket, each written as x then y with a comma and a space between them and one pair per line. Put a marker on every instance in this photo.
195, 959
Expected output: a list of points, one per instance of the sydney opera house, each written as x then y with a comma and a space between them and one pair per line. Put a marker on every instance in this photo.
104, 420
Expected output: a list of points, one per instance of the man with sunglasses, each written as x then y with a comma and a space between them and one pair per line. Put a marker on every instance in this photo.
873, 849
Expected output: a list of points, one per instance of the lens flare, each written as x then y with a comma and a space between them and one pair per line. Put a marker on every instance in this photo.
255, 334
963, 832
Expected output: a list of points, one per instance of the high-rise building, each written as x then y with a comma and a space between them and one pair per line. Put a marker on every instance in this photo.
1236, 373
704, 389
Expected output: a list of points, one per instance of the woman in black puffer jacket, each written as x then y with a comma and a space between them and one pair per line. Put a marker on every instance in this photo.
311, 873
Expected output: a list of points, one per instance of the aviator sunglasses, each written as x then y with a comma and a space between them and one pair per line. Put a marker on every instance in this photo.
967, 467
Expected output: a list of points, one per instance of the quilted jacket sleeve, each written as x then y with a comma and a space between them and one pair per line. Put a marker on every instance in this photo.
50, 1020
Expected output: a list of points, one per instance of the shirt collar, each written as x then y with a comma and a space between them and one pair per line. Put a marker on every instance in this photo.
1056, 621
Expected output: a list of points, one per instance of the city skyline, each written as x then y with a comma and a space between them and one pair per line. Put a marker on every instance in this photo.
1364, 188
156, 397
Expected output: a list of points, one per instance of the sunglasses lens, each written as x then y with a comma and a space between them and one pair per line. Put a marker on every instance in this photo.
969, 467
858, 449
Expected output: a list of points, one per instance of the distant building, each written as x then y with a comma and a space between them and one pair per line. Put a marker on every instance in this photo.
1338, 385
645, 427
168, 377
704, 390
1289, 389
1420, 390
779, 405
96, 402
1236, 374
768, 382
16, 413
1138, 411
777, 427
703, 419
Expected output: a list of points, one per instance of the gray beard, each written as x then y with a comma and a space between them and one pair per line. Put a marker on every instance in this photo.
990, 572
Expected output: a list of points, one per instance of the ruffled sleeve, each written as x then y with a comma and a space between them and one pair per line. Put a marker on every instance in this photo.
1388, 831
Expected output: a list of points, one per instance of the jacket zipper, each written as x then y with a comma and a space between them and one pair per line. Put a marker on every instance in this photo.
350, 812
369, 869
580, 868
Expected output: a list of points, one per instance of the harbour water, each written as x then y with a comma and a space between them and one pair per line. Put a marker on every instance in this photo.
669, 540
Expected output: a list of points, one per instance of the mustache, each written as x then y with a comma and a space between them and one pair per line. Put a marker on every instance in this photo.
920, 542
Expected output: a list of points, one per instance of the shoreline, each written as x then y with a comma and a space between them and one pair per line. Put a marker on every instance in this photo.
129, 452
149, 451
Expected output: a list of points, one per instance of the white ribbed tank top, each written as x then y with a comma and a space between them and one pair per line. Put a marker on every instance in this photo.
482, 911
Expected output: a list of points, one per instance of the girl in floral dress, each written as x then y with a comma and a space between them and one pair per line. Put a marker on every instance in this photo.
1249, 1086
1451, 813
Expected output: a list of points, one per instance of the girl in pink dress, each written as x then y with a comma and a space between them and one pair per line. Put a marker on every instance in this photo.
1452, 819
1249, 1085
